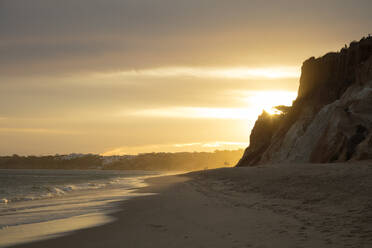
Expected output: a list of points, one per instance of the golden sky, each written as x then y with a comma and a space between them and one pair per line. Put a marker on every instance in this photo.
129, 76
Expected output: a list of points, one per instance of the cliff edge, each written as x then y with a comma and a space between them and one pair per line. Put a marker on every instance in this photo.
331, 119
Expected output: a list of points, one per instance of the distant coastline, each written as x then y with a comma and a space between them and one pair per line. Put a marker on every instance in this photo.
147, 161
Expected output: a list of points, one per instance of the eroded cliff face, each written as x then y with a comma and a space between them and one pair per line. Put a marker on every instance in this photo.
331, 119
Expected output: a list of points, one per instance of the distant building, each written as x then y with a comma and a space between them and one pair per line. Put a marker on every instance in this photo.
111, 159
72, 156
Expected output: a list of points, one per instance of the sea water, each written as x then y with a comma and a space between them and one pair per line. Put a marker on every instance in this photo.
39, 204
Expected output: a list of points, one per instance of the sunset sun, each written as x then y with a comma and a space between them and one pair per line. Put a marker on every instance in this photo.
267, 100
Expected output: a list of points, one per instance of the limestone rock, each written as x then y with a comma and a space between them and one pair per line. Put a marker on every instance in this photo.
331, 119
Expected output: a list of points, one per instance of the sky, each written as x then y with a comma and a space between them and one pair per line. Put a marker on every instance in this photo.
133, 76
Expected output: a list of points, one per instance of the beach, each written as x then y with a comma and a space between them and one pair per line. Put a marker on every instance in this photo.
40, 204
284, 205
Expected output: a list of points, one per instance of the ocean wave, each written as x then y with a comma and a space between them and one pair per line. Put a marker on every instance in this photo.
36, 192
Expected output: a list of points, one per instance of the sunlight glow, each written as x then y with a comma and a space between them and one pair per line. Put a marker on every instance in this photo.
198, 113
268, 73
187, 147
266, 100
254, 101
224, 143
213, 144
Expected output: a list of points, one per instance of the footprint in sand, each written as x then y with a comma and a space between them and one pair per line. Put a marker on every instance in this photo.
159, 227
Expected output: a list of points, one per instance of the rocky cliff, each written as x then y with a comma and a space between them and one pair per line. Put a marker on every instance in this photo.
331, 119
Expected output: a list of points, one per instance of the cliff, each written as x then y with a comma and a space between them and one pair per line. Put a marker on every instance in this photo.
331, 119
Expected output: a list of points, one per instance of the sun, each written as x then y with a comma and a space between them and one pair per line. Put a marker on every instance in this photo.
255, 103
267, 100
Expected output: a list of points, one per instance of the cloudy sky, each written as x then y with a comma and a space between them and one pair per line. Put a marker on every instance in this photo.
129, 76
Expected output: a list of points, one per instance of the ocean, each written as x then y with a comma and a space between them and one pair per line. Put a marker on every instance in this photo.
40, 204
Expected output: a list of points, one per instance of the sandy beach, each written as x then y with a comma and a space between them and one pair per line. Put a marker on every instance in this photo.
287, 205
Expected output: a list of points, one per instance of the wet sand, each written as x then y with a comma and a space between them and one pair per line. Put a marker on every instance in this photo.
288, 205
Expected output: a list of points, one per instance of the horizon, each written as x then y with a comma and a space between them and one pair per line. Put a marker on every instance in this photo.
122, 155
124, 78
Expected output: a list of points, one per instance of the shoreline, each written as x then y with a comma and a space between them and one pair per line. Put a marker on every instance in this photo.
84, 204
290, 205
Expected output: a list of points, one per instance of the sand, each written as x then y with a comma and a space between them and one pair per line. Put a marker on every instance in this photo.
288, 205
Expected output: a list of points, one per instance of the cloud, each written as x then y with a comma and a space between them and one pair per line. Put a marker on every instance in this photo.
198, 113
224, 73
74, 36
225, 143
187, 144
37, 131
96, 96
123, 71
251, 103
